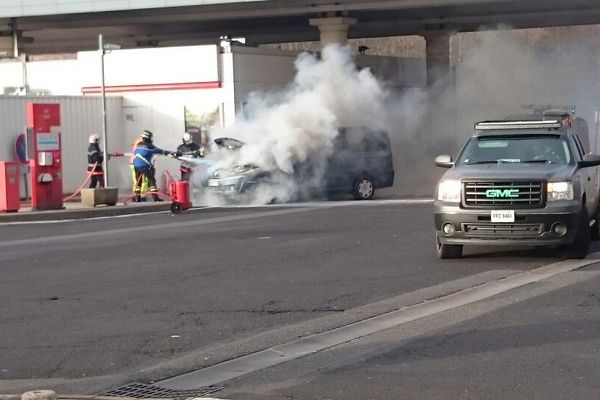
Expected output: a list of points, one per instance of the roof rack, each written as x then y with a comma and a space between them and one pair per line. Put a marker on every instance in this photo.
525, 124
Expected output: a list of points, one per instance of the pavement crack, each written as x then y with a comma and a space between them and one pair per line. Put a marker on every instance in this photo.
57, 367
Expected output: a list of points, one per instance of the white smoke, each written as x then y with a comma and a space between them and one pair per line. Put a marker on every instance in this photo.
494, 74
284, 130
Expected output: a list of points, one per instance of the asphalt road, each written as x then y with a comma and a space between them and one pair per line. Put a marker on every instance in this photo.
94, 304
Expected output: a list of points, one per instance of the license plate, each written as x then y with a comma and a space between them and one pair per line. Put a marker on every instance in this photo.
213, 182
503, 216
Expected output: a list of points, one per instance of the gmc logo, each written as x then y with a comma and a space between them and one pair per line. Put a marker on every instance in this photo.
499, 193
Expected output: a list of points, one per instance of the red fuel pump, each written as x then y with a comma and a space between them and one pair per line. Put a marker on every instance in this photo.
44, 150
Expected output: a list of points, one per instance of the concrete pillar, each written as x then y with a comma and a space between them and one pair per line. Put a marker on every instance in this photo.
6, 46
333, 29
437, 50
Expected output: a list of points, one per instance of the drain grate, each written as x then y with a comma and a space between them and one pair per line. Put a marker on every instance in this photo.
143, 391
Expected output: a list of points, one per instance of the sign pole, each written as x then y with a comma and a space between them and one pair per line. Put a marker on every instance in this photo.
104, 128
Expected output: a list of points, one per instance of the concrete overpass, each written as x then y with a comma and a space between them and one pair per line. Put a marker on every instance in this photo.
277, 21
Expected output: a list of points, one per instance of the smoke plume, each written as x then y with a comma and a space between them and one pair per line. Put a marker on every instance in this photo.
494, 74
282, 131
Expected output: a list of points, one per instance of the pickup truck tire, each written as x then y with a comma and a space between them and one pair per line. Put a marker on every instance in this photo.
579, 248
448, 250
364, 188
595, 229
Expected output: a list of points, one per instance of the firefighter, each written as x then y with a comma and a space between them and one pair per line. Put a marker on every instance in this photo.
95, 158
143, 165
134, 182
188, 149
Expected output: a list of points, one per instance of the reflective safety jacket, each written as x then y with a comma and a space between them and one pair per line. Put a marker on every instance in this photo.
143, 154
94, 155
133, 147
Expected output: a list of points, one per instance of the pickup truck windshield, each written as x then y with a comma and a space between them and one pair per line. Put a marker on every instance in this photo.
548, 149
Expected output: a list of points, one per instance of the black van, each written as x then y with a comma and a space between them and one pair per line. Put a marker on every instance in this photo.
361, 162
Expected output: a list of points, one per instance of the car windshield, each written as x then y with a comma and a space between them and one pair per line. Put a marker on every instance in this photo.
548, 149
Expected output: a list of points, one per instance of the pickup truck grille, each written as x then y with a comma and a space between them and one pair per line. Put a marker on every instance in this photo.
501, 231
501, 194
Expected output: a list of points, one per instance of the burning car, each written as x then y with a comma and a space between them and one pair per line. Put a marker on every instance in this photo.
360, 163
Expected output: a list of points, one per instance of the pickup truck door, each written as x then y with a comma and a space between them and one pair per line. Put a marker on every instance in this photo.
589, 179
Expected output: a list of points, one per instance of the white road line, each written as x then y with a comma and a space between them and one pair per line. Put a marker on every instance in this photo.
315, 204
307, 345
171, 225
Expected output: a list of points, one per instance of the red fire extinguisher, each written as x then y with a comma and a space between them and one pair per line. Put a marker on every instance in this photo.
180, 196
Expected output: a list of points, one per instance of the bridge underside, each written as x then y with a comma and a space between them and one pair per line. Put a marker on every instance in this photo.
286, 21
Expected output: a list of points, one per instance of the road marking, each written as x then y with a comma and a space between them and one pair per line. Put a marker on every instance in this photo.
313, 343
314, 204
337, 202
276, 210
175, 225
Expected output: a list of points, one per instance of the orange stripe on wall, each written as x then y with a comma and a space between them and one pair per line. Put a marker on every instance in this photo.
152, 86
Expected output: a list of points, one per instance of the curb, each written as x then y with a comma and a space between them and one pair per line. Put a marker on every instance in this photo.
81, 213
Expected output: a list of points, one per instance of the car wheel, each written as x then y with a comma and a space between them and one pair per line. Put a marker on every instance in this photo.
579, 248
448, 250
595, 229
364, 188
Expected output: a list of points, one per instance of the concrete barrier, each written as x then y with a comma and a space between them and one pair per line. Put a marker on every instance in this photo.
93, 197
39, 395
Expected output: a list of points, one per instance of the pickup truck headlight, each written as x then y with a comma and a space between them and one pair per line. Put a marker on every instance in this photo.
560, 191
449, 191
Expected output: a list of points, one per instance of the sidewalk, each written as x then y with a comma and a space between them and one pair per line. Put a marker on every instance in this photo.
75, 210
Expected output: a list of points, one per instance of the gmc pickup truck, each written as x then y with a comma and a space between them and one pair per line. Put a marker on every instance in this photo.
518, 182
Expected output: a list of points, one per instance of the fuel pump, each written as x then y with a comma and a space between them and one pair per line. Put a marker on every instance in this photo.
44, 148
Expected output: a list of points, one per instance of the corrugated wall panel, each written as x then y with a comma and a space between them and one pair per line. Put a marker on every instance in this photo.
80, 117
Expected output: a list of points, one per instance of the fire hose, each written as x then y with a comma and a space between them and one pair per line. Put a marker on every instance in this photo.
85, 181
133, 195
89, 175
116, 154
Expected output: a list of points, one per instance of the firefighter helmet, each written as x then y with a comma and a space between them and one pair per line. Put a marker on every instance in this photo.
94, 139
146, 134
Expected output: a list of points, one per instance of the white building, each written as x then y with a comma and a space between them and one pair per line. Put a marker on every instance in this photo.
166, 90
161, 89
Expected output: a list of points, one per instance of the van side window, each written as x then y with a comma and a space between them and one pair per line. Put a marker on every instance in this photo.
341, 142
376, 141
361, 140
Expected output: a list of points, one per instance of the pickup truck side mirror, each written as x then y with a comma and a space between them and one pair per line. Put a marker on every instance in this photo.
589, 160
444, 161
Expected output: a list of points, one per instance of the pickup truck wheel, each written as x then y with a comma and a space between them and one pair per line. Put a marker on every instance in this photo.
448, 250
595, 229
579, 248
364, 188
